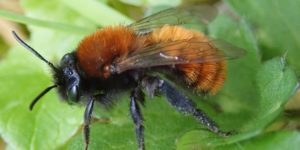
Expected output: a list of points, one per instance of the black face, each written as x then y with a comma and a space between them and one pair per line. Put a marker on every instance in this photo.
66, 76
67, 79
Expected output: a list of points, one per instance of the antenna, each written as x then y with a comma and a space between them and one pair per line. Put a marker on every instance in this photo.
32, 50
36, 99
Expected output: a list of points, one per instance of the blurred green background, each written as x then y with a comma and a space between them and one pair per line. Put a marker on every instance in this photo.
260, 99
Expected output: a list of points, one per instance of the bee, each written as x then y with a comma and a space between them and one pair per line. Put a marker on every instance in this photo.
150, 57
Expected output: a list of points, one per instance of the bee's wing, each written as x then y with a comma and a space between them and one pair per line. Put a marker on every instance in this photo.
199, 14
179, 52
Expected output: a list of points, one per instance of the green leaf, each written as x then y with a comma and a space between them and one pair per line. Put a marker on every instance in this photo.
134, 2
276, 83
3, 48
55, 11
152, 3
163, 3
97, 12
280, 140
42, 23
277, 26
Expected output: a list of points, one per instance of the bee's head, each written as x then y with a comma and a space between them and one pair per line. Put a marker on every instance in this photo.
66, 76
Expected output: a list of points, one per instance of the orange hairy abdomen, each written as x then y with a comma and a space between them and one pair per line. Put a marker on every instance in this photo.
204, 77
97, 51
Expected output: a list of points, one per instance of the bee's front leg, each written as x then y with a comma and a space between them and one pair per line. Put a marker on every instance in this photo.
137, 116
87, 120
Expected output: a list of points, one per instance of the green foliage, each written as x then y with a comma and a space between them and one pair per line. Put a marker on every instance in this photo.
51, 25
275, 140
276, 24
252, 98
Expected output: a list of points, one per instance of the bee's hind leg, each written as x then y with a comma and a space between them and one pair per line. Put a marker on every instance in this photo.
181, 102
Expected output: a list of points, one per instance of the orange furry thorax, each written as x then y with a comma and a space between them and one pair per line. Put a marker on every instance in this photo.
100, 49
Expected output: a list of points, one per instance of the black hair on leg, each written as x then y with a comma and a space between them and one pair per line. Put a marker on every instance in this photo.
87, 120
137, 119
183, 104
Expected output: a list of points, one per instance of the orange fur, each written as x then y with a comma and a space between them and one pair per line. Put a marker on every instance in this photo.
204, 77
101, 48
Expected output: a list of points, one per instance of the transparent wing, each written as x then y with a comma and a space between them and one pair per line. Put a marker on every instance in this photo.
179, 52
199, 14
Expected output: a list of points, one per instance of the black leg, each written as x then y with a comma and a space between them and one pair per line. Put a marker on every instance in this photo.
137, 119
180, 102
185, 105
87, 120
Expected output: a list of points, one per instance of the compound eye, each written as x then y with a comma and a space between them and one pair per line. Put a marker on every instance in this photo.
73, 94
67, 60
